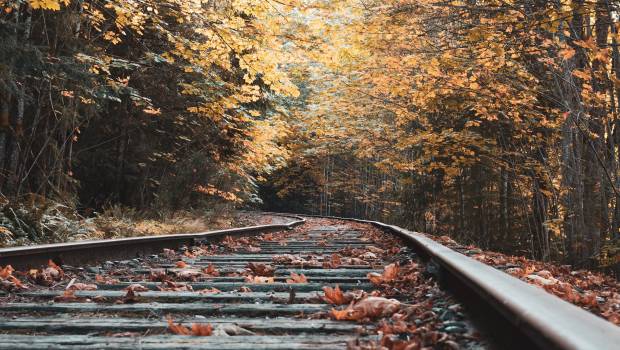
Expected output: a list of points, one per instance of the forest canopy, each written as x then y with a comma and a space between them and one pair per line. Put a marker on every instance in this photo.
494, 122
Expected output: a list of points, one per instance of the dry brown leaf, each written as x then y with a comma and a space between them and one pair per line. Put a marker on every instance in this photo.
261, 269
339, 315
211, 271
6, 271
178, 329
374, 307
259, 279
335, 261
253, 249
129, 298
283, 259
209, 291
136, 287
389, 274
201, 329
335, 296
188, 275
295, 278
68, 295
82, 286
375, 278
370, 307
181, 264
169, 286
106, 280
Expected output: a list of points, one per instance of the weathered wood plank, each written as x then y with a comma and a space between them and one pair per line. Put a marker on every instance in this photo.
243, 264
235, 297
231, 286
196, 308
287, 271
175, 342
81, 325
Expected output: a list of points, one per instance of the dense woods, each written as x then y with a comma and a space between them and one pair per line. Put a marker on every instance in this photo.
138, 102
494, 122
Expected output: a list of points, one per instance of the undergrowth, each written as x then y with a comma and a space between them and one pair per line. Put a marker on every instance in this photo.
23, 223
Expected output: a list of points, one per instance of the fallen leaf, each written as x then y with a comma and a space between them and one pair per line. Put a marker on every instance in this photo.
129, 298
375, 278
389, 274
136, 288
259, 279
335, 261
209, 291
211, 271
374, 307
201, 329
253, 249
188, 275
68, 295
106, 280
6, 271
295, 278
181, 264
370, 307
261, 269
178, 329
83, 286
335, 296
170, 286
339, 315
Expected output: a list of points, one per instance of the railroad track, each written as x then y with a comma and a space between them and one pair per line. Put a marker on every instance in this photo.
264, 287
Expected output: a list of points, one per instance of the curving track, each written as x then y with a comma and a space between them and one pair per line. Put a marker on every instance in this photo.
243, 313
236, 289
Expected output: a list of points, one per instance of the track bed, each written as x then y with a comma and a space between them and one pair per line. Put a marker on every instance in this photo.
327, 284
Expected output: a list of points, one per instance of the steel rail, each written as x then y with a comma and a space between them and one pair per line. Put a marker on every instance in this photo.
548, 321
88, 251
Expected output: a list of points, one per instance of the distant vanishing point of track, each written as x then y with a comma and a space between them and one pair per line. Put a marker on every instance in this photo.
319, 283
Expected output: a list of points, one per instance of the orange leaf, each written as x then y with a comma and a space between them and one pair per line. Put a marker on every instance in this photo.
6, 271
375, 278
295, 278
52, 264
259, 279
68, 295
335, 296
181, 264
390, 272
178, 328
335, 261
340, 315
201, 329
211, 270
